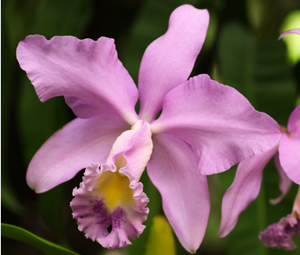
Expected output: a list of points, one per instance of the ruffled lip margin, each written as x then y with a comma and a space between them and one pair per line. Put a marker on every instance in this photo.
110, 229
280, 234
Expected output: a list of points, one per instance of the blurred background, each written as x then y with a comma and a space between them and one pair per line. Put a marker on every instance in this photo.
241, 50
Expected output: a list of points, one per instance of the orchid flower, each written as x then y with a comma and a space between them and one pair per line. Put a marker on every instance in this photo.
280, 234
204, 128
247, 182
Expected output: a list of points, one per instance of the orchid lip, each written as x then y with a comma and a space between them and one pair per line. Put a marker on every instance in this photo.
109, 206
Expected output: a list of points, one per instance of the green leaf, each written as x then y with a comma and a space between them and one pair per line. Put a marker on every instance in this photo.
43, 245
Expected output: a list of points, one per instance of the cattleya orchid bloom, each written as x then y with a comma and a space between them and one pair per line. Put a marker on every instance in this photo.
280, 234
204, 128
247, 182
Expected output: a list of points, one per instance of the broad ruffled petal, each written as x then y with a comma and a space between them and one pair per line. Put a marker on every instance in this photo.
293, 120
293, 31
71, 149
243, 190
136, 147
88, 73
289, 155
219, 123
285, 182
169, 60
108, 207
173, 170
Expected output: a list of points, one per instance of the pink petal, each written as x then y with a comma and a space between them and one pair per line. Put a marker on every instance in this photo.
173, 170
136, 146
88, 73
293, 119
169, 60
293, 31
289, 155
110, 227
243, 190
285, 182
71, 149
219, 123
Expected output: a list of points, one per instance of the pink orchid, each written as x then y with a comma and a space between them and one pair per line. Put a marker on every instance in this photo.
204, 128
280, 234
246, 185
